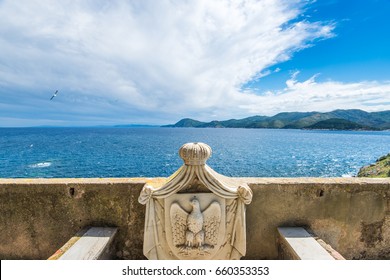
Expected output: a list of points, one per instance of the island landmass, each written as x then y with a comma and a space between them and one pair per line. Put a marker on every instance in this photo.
335, 120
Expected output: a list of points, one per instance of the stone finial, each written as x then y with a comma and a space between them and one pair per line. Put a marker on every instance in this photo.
195, 153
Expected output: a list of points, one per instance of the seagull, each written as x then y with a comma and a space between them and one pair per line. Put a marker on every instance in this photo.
54, 95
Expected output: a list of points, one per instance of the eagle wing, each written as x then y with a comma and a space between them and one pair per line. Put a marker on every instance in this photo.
178, 224
211, 222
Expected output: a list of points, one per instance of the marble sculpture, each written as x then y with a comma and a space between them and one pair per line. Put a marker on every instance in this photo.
197, 213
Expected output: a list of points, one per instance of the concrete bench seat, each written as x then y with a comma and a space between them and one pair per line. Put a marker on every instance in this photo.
297, 244
90, 244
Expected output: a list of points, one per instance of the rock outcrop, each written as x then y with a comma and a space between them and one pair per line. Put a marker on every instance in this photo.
380, 169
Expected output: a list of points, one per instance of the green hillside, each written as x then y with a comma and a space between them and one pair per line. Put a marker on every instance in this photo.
186, 123
309, 120
362, 117
338, 124
381, 168
338, 120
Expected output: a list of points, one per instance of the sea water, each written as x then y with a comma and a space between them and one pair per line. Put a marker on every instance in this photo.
153, 152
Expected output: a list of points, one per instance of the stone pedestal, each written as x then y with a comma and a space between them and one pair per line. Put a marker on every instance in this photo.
197, 213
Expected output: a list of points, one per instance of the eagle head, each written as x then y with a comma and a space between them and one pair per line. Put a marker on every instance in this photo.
195, 203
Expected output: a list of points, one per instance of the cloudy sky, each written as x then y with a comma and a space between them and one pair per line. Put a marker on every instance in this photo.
155, 62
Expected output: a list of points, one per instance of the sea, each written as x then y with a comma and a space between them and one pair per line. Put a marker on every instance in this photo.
153, 152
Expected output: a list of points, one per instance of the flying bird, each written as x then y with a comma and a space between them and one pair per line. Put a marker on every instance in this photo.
54, 95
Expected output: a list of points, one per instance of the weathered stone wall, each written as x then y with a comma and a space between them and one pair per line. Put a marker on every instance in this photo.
350, 214
37, 216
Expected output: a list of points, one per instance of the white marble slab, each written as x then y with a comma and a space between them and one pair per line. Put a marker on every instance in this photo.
92, 245
303, 245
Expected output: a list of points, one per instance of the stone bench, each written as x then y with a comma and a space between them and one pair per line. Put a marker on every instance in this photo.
297, 244
89, 244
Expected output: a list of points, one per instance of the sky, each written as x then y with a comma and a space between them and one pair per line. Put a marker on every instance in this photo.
156, 62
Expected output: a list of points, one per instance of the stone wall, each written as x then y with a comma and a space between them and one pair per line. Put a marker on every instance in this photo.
351, 215
37, 216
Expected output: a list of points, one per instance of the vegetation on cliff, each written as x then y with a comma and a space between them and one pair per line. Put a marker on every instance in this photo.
380, 169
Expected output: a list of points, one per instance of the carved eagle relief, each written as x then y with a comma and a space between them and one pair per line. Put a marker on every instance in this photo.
196, 229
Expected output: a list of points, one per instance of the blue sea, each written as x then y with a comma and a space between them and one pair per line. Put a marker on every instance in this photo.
153, 152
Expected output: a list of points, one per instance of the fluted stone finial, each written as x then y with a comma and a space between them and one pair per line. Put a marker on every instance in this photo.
195, 153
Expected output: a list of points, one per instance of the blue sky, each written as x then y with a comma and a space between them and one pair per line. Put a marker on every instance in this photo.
155, 62
358, 51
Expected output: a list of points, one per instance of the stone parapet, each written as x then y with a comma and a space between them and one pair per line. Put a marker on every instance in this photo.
38, 216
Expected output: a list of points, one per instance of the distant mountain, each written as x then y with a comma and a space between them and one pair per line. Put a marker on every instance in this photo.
308, 120
338, 120
186, 123
339, 124
135, 125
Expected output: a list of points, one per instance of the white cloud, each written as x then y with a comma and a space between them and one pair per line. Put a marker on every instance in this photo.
309, 95
162, 59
